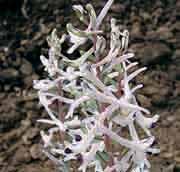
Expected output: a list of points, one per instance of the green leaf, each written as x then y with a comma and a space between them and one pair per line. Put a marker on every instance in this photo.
98, 157
91, 105
97, 139
109, 81
118, 68
103, 156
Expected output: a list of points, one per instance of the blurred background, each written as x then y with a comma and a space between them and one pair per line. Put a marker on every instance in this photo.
154, 27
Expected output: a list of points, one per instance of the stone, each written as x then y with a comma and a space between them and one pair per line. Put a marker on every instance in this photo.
176, 26
28, 80
118, 8
36, 168
21, 156
144, 101
174, 71
152, 53
30, 135
26, 67
36, 151
9, 120
164, 33
176, 92
156, 86
9, 74
176, 54
136, 31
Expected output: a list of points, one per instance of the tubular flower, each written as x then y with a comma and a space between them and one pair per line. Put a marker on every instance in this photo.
88, 99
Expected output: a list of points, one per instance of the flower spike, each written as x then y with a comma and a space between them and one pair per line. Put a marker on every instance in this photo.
90, 99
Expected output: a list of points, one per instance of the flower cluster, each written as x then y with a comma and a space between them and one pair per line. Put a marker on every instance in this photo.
89, 98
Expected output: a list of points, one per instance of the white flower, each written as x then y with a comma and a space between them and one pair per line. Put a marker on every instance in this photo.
89, 157
140, 169
78, 37
119, 60
51, 65
100, 45
91, 98
47, 138
45, 84
73, 123
121, 165
75, 104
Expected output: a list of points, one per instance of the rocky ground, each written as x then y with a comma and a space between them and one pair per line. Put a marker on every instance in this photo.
155, 37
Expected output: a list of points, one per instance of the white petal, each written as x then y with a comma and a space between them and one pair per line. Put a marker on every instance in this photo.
134, 74
103, 13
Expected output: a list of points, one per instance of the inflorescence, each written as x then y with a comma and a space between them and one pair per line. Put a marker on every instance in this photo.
90, 99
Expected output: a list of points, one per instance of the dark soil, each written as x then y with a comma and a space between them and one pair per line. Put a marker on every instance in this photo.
154, 27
